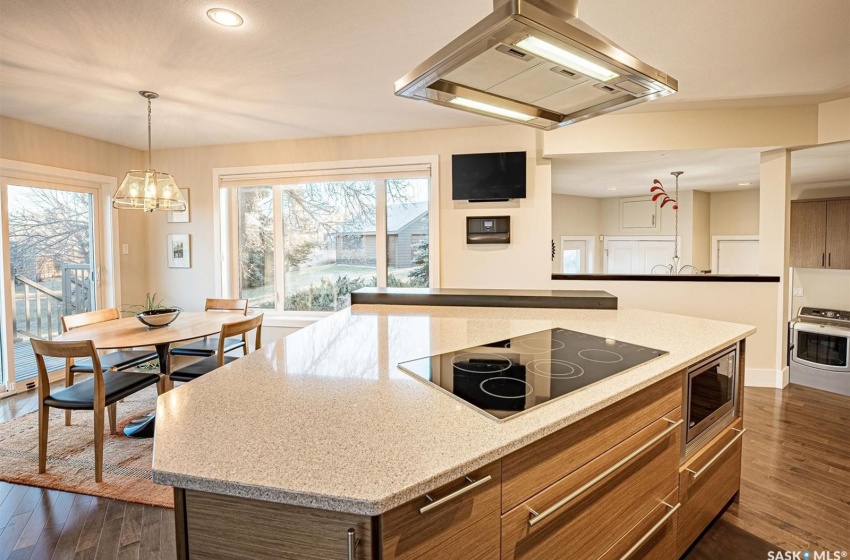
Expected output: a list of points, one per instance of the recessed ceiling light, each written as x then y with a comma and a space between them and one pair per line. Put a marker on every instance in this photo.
225, 17
744, 184
611, 189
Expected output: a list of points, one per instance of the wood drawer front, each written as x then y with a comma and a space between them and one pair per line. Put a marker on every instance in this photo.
658, 529
479, 541
704, 497
534, 467
407, 534
603, 514
230, 528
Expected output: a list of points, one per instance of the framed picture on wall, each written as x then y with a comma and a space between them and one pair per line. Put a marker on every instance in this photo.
180, 217
179, 251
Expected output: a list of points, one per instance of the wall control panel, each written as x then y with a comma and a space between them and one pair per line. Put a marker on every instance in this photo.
492, 229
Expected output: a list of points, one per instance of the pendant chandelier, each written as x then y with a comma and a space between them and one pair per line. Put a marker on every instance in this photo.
148, 189
659, 193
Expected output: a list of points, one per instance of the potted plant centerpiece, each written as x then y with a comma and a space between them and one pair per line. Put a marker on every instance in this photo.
153, 313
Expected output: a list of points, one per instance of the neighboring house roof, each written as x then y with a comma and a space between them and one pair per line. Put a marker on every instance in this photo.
398, 217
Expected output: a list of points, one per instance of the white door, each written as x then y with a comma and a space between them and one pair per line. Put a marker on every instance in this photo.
620, 257
737, 256
573, 256
50, 243
636, 256
654, 253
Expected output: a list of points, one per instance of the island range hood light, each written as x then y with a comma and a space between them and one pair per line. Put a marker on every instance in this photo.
492, 109
534, 62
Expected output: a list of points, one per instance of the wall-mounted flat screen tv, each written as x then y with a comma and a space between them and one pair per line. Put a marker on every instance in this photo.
488, 177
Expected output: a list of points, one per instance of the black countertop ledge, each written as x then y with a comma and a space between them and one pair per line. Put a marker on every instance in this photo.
558, 299
668, 277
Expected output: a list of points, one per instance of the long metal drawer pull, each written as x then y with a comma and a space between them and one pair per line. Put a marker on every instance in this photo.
437, 503
538, 517
651, 532
352, 544
726, 447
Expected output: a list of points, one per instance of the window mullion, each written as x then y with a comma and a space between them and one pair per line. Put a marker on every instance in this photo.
381, 232
279, 265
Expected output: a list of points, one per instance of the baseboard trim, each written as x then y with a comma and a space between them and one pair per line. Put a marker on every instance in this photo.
776, 379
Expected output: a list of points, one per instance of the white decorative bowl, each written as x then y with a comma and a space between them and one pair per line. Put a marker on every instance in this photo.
157, 318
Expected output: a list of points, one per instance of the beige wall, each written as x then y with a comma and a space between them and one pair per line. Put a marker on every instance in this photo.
21, 141
575, 215
701, 222
821, 288
734, 212
834, 121
525, 263
687, 130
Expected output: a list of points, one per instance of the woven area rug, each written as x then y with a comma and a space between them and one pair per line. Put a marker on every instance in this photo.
70, 455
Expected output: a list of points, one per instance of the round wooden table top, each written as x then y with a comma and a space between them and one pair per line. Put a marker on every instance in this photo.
130, 332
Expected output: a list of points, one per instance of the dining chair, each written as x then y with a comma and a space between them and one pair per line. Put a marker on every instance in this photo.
98, 393
208, 346
208, 364
118, 360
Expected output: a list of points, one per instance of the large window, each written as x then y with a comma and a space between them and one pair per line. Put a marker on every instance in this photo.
305, 245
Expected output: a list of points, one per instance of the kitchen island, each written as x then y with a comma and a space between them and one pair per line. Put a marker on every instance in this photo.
319, 446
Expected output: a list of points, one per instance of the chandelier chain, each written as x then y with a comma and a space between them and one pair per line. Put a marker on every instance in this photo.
149, 133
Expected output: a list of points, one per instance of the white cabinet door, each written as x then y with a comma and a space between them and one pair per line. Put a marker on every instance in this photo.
639, 214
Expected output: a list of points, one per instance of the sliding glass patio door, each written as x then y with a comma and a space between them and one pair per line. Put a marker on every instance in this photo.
50, 250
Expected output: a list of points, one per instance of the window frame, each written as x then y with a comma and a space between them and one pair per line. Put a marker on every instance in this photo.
226, 242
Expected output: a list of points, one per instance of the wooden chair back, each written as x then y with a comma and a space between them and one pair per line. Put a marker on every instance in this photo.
89, 318
218, 304
240, 328
55, 349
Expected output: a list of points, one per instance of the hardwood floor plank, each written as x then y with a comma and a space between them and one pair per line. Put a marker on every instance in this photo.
66, 547
47, 541
37, 521
131, 530
110, 537
10, 504
11, 533
149, 546
168, 538
129, 552
94, 525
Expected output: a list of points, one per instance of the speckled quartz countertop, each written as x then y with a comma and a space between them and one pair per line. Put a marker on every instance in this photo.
324, 418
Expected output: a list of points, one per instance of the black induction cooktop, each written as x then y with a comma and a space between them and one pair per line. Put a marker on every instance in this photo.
504, 378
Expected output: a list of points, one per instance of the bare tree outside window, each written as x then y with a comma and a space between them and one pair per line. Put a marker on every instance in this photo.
329, 240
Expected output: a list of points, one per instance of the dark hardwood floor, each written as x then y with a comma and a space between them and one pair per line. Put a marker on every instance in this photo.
795, 493
795, 487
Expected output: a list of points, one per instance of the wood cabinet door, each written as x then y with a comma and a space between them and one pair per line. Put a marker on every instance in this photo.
639, 213
838, 234
808, 234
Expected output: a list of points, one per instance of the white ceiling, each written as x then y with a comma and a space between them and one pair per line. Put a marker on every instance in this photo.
300, 68
706, 170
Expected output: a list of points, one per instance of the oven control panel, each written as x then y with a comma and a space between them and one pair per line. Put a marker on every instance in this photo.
830, 315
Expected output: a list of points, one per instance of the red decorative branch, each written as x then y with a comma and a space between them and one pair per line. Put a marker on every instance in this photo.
659, 191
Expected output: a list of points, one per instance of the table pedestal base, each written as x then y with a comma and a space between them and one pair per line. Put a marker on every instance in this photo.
141, 427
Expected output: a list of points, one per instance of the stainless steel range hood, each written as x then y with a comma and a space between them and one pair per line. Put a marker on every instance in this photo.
532, 62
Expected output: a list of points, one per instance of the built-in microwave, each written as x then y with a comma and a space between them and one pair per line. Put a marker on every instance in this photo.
711, 388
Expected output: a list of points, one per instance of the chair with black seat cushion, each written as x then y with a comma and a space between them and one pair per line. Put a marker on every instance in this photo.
208, 364
118, 360
98, 393
208, 346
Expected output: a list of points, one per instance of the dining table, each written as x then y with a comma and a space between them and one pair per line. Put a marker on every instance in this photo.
129, 332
